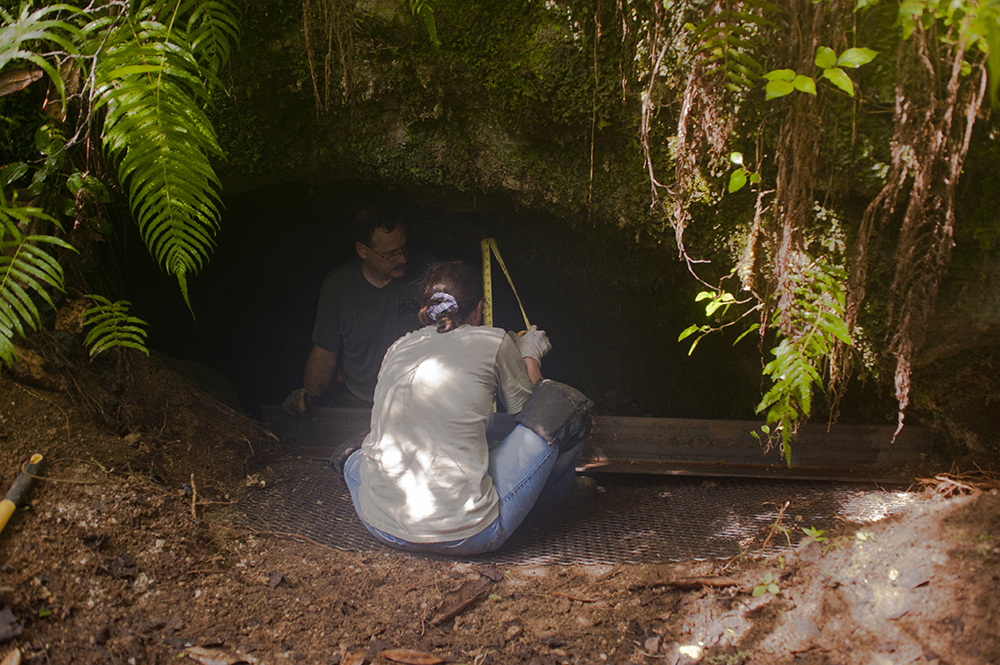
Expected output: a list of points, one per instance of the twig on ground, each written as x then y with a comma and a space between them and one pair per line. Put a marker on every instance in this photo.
194, 498
776, 527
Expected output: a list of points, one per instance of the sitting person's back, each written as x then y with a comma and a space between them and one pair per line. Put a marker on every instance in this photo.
426, 479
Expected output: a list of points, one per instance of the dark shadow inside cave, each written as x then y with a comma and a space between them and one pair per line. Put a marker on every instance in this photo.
613, 307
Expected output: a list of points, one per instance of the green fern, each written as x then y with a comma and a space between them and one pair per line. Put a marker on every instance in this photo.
815, 321
725, 40
27, 272
425, 10
113, 327
42, 25
153, 76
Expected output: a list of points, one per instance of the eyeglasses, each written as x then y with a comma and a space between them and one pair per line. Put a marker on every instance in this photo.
394, 255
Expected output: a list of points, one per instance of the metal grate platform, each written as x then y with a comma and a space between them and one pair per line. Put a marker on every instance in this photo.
634, 519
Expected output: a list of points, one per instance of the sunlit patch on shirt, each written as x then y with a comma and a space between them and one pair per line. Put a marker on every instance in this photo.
431, 374
419, 500
392, 456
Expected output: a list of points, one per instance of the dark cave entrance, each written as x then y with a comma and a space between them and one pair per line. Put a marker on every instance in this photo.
612, 307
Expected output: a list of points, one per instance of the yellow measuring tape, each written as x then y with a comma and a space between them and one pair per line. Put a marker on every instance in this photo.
489, 246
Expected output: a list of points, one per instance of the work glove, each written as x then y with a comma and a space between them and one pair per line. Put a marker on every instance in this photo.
298, 403
533, 344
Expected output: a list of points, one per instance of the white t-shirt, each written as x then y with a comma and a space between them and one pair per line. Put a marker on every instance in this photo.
425, 474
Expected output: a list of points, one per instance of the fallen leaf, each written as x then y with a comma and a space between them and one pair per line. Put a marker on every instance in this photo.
356, 658
13, 658
275, 579
411, 657
213, 656
457, 601
492, 574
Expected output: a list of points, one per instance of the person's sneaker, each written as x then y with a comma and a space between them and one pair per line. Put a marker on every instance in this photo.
583, 492
343, 451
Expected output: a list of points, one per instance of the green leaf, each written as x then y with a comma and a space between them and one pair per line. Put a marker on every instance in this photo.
737, 179
44, 612
805, 84
910, 12
722, 300
780, 75
695, 343
11, 173
746, 332
839, 78
826, 57
736, 158
775, 89
687, 332
855, 57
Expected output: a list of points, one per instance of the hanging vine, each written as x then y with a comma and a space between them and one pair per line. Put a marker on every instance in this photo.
328, 28
940, 88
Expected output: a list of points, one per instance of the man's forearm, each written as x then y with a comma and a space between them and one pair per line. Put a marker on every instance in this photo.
319, 370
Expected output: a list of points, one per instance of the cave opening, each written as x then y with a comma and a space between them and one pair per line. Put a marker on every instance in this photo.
612, 305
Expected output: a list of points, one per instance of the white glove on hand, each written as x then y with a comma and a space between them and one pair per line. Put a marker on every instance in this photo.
297, 403
533, 344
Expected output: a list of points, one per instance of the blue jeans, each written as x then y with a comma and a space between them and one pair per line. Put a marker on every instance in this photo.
523, 468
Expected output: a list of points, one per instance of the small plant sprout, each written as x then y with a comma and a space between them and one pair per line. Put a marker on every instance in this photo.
814, 534
768, 584
740, 176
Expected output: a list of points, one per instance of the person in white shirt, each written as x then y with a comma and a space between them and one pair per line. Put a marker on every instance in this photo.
426, 478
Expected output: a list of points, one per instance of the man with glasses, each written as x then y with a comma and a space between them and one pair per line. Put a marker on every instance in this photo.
364, 306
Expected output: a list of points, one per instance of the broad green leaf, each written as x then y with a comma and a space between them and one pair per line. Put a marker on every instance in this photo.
839, 78
910, 12
805, 84
826, 57
855, 57
736, 158
775, 89
754, 178
780, 75
737, 179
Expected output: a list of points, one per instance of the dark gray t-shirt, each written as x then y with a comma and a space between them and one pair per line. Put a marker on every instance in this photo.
360, 322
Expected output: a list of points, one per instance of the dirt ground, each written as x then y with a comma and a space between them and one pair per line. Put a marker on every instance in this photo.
120, 556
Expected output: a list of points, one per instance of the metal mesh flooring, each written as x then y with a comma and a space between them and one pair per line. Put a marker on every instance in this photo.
634, 519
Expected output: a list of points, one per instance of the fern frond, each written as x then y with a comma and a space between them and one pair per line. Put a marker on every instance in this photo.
27, 272
724, 42
815, 321
153, 76
113, 327
42, 25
